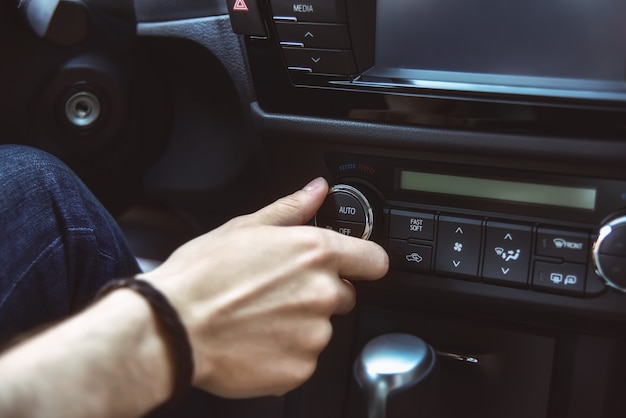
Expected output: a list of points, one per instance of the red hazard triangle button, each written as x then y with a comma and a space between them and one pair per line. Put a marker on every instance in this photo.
240, 6
245, 18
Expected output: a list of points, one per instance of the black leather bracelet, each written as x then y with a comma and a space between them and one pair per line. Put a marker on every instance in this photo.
172, 328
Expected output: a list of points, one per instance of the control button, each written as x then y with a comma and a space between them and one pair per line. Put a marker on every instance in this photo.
458, 245
405, 225
351, 229
347, 211
507, 253
314, 35
409, 256
245, 17
566, 245
342, 206
565, 278
326, 11
323, 61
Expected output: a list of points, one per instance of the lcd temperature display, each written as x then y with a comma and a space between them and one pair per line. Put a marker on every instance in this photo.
510, 191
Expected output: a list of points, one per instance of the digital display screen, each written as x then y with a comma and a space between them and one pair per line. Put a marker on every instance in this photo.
574, 48
509, 191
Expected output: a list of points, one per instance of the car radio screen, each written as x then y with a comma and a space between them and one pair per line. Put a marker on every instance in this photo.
546, 47
531, 193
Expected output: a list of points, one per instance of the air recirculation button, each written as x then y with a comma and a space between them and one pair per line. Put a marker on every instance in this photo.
347, 211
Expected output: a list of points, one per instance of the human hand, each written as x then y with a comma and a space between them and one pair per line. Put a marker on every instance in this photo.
257, 294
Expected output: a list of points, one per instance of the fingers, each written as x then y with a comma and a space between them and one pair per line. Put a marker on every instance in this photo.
347, 298
358, 259
354, 259
297, 208
363, 260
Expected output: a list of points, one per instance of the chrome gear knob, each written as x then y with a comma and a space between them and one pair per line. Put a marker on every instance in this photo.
393, 368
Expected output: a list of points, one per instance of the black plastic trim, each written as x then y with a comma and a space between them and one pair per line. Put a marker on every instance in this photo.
603, 152
165, 10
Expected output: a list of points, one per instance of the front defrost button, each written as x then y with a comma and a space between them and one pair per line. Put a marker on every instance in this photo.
566, 245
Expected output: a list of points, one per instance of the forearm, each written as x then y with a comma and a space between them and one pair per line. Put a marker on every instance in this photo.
117, 366
254, 296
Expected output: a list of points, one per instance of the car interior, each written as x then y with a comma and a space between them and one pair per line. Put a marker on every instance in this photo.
482, 143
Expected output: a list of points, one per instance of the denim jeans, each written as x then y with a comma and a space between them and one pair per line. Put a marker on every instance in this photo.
58, 245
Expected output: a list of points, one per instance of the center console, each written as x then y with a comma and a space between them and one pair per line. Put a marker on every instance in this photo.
433, 220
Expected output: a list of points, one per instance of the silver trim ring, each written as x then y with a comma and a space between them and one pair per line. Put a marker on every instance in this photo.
605, 231
83, 109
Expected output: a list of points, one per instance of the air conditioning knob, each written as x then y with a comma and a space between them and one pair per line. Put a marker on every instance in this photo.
609, 254
348, 211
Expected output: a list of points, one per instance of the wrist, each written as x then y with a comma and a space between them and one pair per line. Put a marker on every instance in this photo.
194, 311
111, 353
149, 357
167, 326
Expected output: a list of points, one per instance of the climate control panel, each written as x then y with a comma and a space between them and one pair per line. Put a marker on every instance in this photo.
495, 251
483, 248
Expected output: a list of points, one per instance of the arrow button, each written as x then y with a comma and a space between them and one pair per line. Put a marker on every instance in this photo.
314, 35
320, 61
458, 245
507, 253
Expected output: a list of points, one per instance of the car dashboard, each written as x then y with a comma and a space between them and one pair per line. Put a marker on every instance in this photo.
483, 146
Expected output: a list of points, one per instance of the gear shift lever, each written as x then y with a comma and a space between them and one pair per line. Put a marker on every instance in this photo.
392, 370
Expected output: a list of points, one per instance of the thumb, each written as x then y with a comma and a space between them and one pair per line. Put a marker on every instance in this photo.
297, 208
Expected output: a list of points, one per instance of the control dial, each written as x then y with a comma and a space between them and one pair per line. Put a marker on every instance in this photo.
347, 211
609, 253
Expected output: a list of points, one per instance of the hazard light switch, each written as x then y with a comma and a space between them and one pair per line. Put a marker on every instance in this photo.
245, 18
